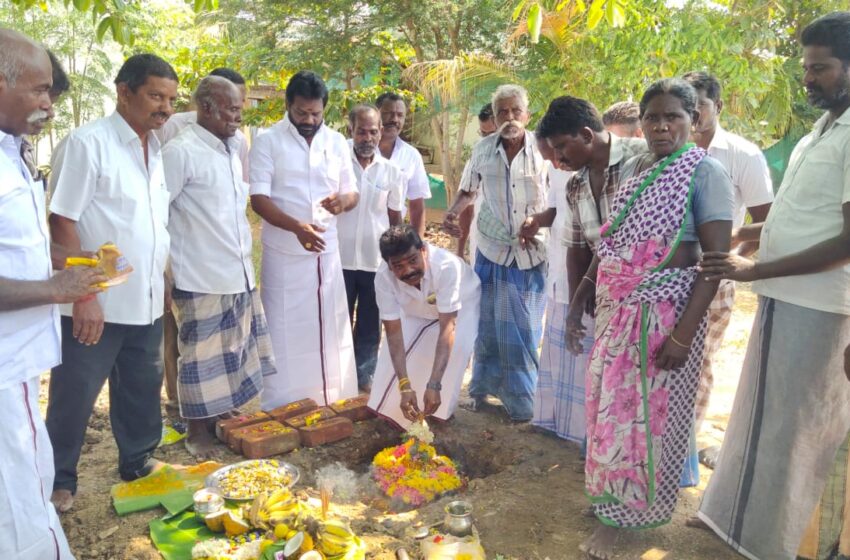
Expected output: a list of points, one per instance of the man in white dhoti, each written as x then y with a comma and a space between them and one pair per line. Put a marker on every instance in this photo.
301, 179
29, 316
429, 302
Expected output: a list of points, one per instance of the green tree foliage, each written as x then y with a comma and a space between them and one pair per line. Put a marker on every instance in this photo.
107, 16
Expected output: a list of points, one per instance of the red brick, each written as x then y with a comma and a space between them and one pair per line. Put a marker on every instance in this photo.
235, 437
326, 431
224, 427
265, 444
296, 408
354, 409
301, 420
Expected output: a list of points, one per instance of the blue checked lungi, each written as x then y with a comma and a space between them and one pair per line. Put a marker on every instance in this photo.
225, 350
509, 333
559, 399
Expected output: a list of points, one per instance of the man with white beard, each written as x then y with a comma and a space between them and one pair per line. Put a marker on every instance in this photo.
29, 316
507, 170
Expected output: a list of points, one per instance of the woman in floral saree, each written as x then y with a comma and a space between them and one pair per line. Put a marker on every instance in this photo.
651, 306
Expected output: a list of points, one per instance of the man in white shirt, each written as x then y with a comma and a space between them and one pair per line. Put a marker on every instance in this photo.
429, 301
792, 408
301, 180
224, 344
404, 156
753, 193
239, 144
110, 186
381, 186
512, 271
29, 317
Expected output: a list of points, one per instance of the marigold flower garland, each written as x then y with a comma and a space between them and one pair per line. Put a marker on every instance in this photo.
413, 473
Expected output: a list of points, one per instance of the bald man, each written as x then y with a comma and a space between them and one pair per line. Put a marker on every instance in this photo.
29, 317
223, 339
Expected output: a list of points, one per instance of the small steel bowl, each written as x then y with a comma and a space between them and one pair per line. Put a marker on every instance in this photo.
458, 520
207, 501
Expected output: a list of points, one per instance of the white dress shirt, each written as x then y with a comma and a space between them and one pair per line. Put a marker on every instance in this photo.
748, 169
103, 184
409, 160
807, 211
297, 176
179, 121
210, 234
511, 192
556, 275
29, 338
448, 282
381, 185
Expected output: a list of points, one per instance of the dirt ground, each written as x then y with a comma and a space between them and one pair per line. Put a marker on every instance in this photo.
526, 487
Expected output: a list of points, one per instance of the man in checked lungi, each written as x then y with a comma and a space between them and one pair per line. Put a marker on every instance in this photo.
223, 339
507, 170
429, 302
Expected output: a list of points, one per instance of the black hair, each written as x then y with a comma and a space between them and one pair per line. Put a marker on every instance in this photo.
705, 82
398, 240
61, 83
486, 113
229, 74
831, 30
308, 85
136, 69
623, 113
568, 115
388, 96
673, 86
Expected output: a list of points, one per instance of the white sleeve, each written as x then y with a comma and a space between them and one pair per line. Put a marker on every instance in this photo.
470, 179
75, 179
55, 164
419, 186
347, 180
243, 155
395, 197
385, 295
754, 180
448, 290
174, 165
261, 172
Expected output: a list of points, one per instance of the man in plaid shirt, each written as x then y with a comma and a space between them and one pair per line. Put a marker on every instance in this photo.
509, 173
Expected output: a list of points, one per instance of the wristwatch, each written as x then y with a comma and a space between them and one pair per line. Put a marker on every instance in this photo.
434, 386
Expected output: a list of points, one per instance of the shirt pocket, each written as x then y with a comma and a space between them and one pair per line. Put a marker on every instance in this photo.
379, 198
333, 169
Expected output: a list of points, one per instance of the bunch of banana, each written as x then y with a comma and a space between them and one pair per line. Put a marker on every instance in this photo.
270, 509
337, 542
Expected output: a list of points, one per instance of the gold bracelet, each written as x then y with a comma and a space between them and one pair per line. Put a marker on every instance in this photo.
403, 382
677, 343
586, 277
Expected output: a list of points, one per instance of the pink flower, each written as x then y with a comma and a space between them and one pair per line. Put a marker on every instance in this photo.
615, 374
603, 438
591, 410
634, 446
658, 408
625, 405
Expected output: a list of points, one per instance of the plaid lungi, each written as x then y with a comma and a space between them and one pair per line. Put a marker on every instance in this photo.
225, 350
559, 398
719, 314
509, 333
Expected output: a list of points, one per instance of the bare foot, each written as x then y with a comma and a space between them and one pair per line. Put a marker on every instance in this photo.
600, 545
696, 523
473, 404
63, 500
588, 512
200, 442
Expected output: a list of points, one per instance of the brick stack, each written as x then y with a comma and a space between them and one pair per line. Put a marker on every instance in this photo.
287, 427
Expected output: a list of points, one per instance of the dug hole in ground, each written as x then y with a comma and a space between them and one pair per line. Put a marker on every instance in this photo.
526, 486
